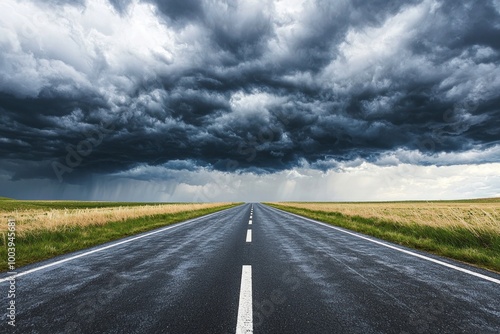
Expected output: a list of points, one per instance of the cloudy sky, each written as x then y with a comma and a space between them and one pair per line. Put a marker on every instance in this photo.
249, 100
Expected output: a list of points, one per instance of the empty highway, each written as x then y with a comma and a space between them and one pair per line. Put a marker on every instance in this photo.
249, 269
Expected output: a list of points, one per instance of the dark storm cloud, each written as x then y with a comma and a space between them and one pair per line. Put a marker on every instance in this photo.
180, 11
249, 86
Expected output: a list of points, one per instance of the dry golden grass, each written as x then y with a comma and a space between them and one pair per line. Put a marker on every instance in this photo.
474, 216
54, 219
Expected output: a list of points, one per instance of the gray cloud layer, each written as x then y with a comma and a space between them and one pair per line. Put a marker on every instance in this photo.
256, 86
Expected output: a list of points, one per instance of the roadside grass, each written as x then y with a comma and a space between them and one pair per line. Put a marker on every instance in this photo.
41, 244
32, 220
478, 246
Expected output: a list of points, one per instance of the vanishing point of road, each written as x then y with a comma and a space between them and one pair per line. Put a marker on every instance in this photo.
252, 269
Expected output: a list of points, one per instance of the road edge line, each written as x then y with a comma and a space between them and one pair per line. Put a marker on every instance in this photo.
470, 272
114, 244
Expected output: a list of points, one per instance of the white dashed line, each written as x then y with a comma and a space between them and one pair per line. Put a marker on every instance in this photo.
250, 222
245, 313
249, 236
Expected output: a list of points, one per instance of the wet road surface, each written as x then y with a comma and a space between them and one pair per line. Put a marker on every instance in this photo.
252, 268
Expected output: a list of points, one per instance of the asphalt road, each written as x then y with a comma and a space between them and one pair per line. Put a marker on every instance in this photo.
203, 276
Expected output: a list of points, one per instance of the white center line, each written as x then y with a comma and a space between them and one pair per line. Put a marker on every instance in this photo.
250, 222
249, 236
245, 313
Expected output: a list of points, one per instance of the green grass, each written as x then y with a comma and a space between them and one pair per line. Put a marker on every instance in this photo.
480, 249
34, 247
473, 200
9, 205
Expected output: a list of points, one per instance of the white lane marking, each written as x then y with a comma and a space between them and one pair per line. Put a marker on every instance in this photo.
244, 324
250, 222
104, 248
249, 236
470, 272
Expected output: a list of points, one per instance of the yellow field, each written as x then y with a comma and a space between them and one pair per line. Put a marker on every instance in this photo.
55, 219
480, 216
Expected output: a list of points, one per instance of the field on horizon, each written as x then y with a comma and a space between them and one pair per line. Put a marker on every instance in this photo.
466, 230
33, 216
475, 215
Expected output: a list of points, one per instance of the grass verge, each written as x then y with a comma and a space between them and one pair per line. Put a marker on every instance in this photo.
40, 245
481, 249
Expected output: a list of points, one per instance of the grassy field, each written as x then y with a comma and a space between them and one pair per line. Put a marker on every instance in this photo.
10, 205
467, 230
45, 229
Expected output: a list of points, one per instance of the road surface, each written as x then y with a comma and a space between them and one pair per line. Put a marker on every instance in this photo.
252, 268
